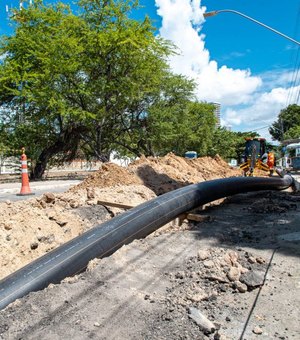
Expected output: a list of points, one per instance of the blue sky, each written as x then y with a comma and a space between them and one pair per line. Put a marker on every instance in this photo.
252, 72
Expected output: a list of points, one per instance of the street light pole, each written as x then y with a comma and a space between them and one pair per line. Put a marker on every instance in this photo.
213, 13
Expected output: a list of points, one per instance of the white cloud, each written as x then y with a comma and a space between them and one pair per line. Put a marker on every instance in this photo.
279, 78
226, 85
231, 118
262, 112
235, 54
181, 23
248, 101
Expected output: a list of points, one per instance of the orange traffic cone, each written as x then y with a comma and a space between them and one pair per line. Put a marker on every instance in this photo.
25, 189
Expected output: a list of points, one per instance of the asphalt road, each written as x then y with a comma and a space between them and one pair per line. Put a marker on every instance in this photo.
9, 191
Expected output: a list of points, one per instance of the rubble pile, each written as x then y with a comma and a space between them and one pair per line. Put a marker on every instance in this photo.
204, 287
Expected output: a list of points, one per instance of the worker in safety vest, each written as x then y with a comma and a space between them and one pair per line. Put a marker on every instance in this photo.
271, 162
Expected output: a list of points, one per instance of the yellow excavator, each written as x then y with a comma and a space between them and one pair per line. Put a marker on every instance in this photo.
254, 155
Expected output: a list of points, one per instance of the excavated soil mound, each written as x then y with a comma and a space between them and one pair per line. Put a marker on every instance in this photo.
161, 174
172, 172
29, 229
109, 175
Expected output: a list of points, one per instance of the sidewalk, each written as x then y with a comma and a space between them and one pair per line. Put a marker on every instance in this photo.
39, 185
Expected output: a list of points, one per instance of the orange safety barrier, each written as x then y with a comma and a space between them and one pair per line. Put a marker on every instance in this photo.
25, 189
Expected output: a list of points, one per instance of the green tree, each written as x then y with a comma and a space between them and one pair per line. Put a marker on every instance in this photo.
172, 121
42, 60
224, 143
229, 144
288, 123
70, 82
293, 133
127, 68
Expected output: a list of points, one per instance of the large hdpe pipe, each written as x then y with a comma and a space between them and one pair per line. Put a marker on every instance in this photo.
73, 256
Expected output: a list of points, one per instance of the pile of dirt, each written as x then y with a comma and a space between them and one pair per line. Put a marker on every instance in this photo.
108, 175
29, 229
160, 174
172, 172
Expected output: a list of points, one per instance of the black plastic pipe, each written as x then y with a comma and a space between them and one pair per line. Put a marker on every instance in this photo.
104, 239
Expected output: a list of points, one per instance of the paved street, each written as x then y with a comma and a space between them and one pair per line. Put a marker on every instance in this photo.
9, 191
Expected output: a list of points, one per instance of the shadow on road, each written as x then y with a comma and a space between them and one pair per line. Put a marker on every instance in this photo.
259, 220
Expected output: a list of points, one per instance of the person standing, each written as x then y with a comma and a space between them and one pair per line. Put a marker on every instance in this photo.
271, 162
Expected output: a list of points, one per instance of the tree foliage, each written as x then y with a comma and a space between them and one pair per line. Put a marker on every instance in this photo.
173, 122
293, 133
71, 81
94, 82
229, 144
37, 78
287, 125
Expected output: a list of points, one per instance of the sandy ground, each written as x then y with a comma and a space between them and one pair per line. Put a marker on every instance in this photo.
239, 271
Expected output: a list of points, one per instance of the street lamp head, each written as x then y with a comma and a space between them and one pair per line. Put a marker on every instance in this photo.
210, 14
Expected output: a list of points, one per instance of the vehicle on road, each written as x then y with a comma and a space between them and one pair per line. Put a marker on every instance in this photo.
291, 159
255, 156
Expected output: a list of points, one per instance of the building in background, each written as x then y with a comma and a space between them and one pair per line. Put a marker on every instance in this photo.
217, 112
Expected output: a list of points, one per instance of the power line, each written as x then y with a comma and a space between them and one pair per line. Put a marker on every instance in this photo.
293, 97
261, 128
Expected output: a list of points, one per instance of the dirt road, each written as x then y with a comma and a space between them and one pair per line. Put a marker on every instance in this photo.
147, 290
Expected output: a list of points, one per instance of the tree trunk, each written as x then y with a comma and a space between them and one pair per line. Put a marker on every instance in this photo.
44, 158
67, 142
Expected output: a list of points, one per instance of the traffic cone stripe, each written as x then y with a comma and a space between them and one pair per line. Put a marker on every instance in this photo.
25, 189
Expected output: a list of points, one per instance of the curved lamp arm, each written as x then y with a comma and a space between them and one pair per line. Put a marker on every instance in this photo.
213, 13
